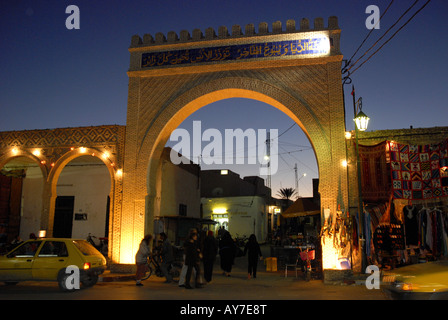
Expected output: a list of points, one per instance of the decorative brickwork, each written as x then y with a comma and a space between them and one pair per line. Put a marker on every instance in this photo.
52, 149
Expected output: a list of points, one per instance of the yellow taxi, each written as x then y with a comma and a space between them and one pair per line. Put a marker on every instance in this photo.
49, 259
418, 281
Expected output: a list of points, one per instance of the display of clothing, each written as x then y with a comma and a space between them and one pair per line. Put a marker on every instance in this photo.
432, 229
411, 225
424, 229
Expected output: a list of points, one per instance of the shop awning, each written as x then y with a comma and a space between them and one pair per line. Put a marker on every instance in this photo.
185, 218
302, 207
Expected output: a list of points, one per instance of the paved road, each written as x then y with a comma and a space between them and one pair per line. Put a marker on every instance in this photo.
270, 295
221, 288
267, 286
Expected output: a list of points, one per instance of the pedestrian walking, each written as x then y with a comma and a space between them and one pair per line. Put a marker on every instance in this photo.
226, 252
141, 258
184, 269
166, 253
253, 252
192, 259
209, 252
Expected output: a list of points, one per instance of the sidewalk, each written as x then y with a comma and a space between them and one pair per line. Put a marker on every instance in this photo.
107, 276
267, 286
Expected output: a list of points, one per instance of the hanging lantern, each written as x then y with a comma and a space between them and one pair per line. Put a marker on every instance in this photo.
362, 121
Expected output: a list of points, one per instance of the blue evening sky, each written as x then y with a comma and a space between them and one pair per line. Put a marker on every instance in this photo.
52, 77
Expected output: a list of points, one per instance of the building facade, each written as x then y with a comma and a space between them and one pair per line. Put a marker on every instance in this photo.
241, 206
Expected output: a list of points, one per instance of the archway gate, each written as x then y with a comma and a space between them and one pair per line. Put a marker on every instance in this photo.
297, 70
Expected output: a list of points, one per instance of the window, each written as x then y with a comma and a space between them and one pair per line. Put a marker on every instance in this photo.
183, 210
86, 248
54, 249
27, 250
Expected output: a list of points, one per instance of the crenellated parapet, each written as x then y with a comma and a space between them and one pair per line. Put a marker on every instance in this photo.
224, 48
235, 32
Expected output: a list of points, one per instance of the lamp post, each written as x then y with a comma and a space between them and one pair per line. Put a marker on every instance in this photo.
361, 123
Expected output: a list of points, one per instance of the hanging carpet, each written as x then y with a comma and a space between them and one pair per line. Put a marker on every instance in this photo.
419, 172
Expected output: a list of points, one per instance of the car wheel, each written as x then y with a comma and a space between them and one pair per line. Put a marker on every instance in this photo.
90, 280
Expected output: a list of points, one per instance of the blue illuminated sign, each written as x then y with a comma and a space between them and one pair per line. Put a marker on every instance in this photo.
236, 52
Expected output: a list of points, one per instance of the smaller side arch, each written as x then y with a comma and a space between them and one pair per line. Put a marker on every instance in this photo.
4, 159
50, 192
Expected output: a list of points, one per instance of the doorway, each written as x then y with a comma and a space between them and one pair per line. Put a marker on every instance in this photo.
63, 217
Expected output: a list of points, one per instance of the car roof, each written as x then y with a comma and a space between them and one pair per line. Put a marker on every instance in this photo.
59, 239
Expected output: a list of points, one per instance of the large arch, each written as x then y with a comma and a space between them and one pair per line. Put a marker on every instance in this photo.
306, 88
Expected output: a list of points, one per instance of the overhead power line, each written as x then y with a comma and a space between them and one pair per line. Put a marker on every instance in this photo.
371, 30
388, 40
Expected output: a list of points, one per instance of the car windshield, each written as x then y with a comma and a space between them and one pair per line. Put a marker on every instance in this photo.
86, 248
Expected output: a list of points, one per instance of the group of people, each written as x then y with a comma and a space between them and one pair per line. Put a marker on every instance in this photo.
199, 248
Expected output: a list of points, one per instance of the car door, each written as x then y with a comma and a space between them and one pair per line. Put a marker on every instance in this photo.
52, 257
17, 266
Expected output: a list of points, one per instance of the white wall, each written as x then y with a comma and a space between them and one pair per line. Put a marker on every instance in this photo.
179, 187
89, 184
247, 215
32, 190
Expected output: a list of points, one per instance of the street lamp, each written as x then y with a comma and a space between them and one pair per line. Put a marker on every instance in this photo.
361, 121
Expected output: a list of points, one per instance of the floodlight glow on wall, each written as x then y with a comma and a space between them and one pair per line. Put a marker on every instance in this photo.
219, 210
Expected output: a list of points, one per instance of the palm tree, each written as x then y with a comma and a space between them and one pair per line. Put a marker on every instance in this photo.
286, 193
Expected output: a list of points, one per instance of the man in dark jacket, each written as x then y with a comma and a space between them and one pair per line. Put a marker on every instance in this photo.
192, 257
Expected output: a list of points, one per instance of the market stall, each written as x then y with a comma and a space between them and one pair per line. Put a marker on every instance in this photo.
300, 225
412, 227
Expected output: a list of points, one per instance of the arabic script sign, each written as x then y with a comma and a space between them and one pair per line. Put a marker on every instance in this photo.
237, 52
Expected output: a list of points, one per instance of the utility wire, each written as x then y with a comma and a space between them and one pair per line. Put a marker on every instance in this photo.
385, 33
388, 40
286, 130
371, 30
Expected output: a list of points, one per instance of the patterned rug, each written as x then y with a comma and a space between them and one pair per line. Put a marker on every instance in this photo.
419, 171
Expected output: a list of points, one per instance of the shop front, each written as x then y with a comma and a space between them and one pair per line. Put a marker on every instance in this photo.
410, 227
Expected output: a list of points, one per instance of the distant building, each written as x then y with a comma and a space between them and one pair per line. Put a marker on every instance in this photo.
179, 198
241, 206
